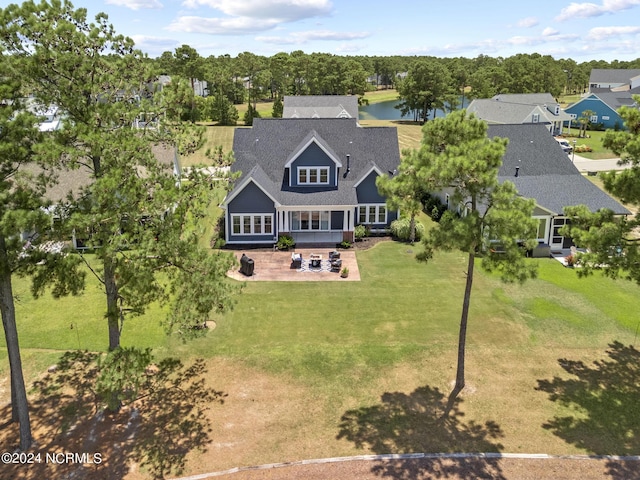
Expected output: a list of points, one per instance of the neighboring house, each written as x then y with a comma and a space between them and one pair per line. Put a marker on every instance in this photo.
605, 106
540, 170
71, 182
313, 179
521, 108
50, 118
617, 79
320, 106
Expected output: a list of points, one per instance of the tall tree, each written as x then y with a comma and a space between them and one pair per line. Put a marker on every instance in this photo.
24, 227
612, 242
457, 156
404, 189
140, 221
426, 88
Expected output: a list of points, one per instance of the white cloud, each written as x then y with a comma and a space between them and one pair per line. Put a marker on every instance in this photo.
296, 38
601, 33
528, 22
136, 4
586, 10
348, 48
285, 10
548, 32
221, 26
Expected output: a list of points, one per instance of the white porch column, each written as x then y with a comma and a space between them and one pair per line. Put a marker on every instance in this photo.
286, 221
352, 222
345, 220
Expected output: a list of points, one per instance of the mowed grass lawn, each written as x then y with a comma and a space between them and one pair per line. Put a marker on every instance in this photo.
296, 357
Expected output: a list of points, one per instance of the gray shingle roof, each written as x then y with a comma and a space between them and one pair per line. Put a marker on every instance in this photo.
613, 75
319, 106
526, 98
271, 142
545, 172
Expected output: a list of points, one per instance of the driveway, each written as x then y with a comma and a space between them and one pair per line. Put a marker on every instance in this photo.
604, 165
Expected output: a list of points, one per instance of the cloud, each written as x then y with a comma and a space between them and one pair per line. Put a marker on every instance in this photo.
136, 4
221, 26
549, 32
348, 48
601, 33
528, 22
284, 10
296, 38
586, 10
248, 16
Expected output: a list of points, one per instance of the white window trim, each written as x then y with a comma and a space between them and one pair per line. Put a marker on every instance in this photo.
535, 118
593, 118
368, 220
307, 171
242, 216
309, 212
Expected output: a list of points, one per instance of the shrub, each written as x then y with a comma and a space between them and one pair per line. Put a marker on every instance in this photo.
401, 230
433, 207
344, 244
583, 148
285, 242
360, 232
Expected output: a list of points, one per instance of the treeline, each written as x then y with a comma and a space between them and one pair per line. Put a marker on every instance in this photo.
424, 83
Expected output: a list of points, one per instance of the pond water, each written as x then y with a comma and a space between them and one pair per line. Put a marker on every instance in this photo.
387, 111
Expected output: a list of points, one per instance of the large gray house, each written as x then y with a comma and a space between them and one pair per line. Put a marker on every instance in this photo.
313, 179
540, 170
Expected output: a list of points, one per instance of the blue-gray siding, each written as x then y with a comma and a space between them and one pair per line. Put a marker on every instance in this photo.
313, 156
367, 191
251, 200
599, 108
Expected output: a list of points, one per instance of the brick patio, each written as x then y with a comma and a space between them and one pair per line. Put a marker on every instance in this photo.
275, 266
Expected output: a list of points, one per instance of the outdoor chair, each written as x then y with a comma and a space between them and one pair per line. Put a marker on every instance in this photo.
296, 260
334, 255
336, 265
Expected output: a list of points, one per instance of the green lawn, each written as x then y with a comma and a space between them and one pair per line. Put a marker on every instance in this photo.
330, 348
594, 140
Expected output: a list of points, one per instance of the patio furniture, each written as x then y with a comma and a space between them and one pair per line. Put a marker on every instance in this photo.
296, 260
315, 260
246, 265
336, 265
334, 255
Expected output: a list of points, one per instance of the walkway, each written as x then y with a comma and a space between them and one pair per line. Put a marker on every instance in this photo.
275, 266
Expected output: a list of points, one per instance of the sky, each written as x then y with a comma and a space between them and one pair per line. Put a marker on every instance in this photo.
596, 30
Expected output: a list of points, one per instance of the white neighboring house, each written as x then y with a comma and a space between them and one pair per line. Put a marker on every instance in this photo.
320, 106
50, 117
509, 109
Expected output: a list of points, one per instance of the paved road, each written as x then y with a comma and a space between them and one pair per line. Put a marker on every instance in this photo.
587, 165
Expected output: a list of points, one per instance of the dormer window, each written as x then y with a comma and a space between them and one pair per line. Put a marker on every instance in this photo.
536, 118
313, 175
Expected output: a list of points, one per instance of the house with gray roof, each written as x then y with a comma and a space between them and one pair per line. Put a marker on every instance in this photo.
313, 179
521, 108
604, 105
542, 171
614, 79
320, 106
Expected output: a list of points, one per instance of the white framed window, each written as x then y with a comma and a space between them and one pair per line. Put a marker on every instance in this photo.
535, 118
573, 116
313, 175
252, 224
312, 220
606, 117
593, 118
374, 213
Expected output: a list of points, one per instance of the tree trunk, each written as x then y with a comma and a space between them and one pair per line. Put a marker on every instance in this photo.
462, 336
19, 405
113, 315
412, 229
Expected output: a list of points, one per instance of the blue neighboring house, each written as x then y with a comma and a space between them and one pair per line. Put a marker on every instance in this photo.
605, 105
311, 178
